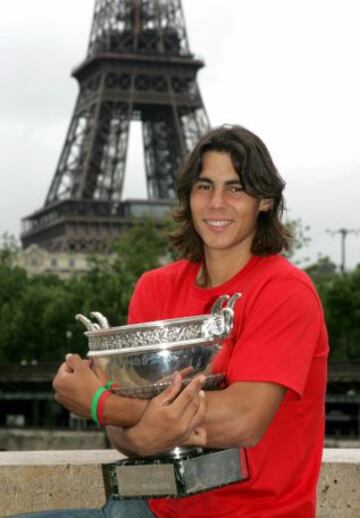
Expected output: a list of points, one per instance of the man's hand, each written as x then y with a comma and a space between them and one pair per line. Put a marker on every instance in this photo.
75, 384
169, 420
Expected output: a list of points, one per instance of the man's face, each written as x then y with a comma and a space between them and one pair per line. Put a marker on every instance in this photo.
224, 216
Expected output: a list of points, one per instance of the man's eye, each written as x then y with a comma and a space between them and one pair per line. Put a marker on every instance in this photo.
202, 186
235, 189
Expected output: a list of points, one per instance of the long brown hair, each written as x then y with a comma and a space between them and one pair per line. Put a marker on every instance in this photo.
259, 178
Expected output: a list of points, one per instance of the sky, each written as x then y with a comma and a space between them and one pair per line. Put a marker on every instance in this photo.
286, 69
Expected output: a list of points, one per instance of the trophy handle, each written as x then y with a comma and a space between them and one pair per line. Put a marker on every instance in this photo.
221, 321
103, 321
233, 299
93, 326
86, 322
218, 304
228, 313
228, 318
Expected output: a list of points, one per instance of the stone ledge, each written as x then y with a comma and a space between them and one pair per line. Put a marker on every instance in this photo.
338, 491
43, 480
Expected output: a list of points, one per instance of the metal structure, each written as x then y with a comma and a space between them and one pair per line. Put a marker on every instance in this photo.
138, 67
344, 232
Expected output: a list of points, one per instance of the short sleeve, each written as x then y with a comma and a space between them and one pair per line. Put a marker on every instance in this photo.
142, 306
279, 337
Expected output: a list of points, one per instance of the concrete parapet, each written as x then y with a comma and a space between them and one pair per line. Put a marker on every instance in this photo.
43, 480
339, 486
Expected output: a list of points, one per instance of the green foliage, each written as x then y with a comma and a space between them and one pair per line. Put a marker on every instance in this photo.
340, 296
301, 239
37, 314
8, 249
324, 268
139, 250
342, 303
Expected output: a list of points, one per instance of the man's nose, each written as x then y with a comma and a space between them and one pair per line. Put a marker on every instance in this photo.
217, 199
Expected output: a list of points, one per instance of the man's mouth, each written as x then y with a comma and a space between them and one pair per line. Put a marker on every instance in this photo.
218, 223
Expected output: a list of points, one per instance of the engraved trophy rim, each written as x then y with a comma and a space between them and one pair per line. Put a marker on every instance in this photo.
147, 325
163, 346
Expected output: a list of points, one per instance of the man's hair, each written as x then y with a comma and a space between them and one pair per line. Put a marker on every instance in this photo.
259, 178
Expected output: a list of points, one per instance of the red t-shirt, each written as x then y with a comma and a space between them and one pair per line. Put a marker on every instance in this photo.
279, 336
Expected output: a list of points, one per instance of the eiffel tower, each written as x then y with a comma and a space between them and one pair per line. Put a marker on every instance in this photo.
138, 67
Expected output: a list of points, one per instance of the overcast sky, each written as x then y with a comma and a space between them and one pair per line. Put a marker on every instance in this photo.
286, 69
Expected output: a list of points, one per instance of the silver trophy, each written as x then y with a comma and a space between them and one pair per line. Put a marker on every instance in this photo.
142, 360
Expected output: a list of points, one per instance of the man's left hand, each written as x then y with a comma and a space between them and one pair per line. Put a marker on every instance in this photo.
173, 418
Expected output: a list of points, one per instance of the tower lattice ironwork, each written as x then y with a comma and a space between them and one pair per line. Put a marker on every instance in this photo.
138, 67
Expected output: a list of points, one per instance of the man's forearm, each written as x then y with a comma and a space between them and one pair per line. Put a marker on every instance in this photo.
223, 421
118, 440
122, 411
240, 414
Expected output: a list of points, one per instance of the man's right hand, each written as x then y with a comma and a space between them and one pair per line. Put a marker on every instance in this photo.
75, 384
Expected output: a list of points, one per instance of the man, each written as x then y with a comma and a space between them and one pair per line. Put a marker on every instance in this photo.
230, 236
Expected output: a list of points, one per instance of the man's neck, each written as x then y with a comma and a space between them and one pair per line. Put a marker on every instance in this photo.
219, 267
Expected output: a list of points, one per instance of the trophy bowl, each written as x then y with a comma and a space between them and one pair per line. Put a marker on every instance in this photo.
142, 359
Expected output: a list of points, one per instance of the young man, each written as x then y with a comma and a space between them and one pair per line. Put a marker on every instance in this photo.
230, 236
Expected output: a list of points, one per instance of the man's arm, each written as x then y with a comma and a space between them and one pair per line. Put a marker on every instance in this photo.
239, 415
236, 416
75, 385
172, 414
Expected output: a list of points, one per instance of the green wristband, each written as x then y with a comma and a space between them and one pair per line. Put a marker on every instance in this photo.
95, 402
108, 384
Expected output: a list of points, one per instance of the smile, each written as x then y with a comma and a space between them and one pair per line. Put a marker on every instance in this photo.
217, 223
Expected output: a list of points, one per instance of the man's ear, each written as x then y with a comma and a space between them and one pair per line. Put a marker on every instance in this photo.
266, 204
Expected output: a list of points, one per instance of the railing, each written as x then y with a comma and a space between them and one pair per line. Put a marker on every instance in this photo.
56, 212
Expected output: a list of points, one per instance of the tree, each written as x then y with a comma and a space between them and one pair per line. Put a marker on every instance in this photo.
342, 305
323, 268
323, 273
9, 247
340, 297
301, 239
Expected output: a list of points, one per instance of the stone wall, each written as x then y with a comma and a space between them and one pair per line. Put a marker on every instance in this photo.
36, 481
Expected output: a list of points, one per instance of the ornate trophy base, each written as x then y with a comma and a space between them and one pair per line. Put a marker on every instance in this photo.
175, 474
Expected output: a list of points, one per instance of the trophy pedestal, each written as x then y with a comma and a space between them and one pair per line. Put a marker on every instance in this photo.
167, 476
